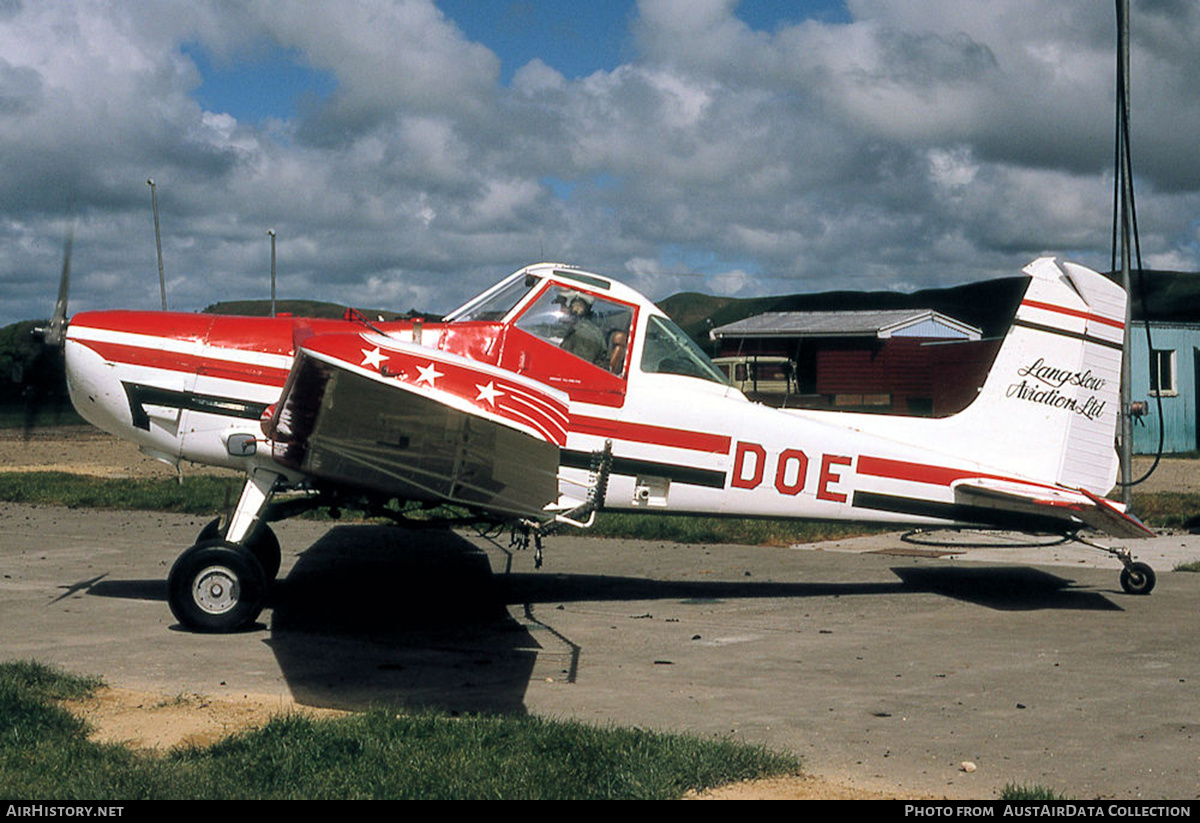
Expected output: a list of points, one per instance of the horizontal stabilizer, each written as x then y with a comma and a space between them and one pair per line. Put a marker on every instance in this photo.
1069, 508
1105, 516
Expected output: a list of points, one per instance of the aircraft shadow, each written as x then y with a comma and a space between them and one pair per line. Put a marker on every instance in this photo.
1004, 588
380, 615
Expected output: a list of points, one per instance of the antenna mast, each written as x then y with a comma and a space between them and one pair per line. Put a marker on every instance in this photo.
162, 283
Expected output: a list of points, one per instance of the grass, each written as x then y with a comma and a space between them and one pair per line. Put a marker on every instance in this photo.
1015, 792
45, 754
1166, 509
741, 530
201, 494
17, 416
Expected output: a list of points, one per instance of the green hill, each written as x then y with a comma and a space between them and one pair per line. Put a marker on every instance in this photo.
989, 304
306, 308
1170, 296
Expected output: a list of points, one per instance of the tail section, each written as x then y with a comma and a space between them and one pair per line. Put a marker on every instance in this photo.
1049, 407
1046, 416
1036, 449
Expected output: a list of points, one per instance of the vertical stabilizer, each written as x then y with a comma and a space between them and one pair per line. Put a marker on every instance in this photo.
1049, 407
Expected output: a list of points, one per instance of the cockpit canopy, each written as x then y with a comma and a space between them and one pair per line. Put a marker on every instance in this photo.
599, 321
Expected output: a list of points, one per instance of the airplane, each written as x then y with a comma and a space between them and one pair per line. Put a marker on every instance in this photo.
560, 392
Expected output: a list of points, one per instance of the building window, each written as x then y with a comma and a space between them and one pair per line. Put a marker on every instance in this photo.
1162, 372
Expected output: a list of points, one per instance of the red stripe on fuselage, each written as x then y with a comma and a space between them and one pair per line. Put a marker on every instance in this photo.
187, 363
655, 435
932, 475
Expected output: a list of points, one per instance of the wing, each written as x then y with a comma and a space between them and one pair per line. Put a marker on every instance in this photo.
1054, 506
370, 412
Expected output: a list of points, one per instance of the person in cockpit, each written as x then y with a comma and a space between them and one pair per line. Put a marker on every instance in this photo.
584, 338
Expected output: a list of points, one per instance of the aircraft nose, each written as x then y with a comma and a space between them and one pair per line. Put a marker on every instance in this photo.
94, 387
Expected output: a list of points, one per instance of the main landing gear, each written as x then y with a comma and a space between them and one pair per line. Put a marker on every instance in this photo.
221, 583
217, 586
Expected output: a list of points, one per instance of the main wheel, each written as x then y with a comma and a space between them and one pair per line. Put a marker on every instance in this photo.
216, 587
262, 543
1137, 578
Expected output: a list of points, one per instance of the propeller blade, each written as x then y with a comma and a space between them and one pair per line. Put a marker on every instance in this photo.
54, 333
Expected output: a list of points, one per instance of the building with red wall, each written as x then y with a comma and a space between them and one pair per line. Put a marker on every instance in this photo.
915, 361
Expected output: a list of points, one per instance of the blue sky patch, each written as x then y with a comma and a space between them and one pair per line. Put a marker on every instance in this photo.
270, 82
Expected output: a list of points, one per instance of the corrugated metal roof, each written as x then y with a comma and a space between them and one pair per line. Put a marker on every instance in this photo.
885, 323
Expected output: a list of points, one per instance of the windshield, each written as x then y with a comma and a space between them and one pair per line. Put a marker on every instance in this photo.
590, 327
497, 305
669, 351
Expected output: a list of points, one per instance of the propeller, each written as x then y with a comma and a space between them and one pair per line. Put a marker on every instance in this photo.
54, 333
47, 367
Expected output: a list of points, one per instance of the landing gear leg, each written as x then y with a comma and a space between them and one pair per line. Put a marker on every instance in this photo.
262, 543
1136, 577
220, 584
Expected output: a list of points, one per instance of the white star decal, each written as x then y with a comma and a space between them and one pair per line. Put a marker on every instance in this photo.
428, 374
489, 393
373, 358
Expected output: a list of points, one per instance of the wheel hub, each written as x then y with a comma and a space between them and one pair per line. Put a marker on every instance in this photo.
216, 590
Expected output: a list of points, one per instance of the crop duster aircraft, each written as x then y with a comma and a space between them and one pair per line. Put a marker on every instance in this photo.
559, 392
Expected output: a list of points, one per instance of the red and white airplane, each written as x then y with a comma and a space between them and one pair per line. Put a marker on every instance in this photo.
558, 392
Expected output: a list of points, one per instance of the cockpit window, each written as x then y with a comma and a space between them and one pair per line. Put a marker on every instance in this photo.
591, 328
669, 351
496, 306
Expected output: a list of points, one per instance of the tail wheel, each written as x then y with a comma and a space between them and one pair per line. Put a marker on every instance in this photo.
1137, 578
216, 587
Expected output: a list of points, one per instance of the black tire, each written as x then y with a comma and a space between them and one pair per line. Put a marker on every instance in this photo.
1137, 578
210, 532
216, 587
262, 543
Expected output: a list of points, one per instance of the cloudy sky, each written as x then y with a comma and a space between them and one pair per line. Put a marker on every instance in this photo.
411, 152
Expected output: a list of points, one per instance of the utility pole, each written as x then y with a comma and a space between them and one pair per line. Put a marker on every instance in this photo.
271, 233
162, 283
1124, 172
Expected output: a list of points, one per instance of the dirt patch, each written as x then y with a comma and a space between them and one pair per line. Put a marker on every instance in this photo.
83, 450
143, 720
795, 787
